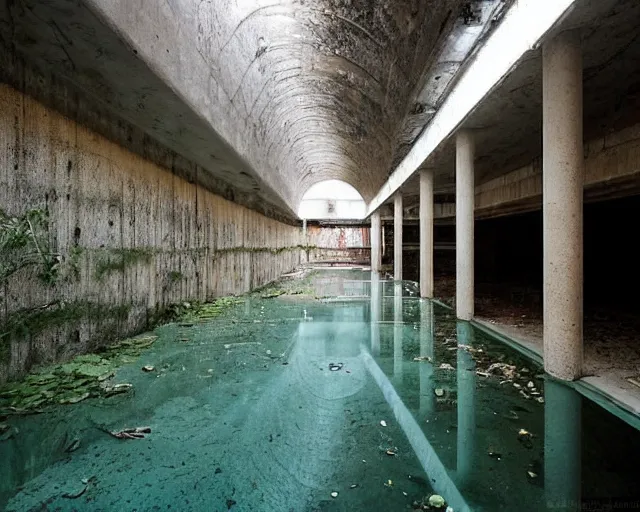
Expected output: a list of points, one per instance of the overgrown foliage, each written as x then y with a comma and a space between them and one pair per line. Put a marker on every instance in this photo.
24, 242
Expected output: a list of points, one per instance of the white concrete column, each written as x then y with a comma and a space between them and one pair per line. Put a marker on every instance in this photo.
562, 196
376, 253
426, 233
397, 236
465, 205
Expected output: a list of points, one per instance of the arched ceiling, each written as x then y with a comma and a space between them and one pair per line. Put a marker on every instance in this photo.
265, 97
322, 88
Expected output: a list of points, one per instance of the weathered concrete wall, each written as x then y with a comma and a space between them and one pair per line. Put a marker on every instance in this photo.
132, 237
346, 244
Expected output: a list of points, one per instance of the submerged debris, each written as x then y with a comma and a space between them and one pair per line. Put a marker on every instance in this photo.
334, 367
131, 433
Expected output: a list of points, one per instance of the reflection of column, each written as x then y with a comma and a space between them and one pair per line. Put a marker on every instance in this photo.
466, 377
427, 398
562, 446
397, 331
376, 305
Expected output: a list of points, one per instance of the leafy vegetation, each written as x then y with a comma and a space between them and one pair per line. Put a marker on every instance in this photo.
119, 259
24, 242
85, 376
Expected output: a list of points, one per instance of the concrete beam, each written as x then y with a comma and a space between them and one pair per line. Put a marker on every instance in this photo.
523, 26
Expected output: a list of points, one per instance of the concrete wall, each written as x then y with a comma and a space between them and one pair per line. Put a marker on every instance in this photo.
346, 244
132, 237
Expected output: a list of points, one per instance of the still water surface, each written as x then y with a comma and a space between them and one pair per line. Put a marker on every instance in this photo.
370, 393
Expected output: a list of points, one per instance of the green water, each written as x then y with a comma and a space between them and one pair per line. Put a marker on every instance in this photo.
246, 415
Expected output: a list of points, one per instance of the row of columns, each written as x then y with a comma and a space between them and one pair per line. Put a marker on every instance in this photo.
563, 181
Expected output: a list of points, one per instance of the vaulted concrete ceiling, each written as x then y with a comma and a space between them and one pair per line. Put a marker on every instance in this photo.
323, 87
268, 96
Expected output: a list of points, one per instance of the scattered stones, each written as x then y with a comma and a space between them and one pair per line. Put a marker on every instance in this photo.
148, 368
446, 366
439, 392
383, 423
530, 384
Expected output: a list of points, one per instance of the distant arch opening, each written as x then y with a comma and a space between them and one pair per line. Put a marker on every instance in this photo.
332, 199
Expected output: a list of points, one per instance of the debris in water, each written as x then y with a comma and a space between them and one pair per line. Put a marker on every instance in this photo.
390, 453
353, 486
75, 494
540, 399
148, 368
131, 433
383, 423
422, 358
334, 494
73, 446
439, 392
389, 483
530, 384
531, 474
437, 501
334, 367
446, 366
495, 455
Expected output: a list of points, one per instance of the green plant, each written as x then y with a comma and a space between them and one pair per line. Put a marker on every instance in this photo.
24, 242
119, 259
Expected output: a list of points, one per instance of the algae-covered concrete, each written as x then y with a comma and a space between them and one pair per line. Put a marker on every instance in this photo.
132, 238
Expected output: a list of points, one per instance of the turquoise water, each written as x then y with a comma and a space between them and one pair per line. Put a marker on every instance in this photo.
371, 393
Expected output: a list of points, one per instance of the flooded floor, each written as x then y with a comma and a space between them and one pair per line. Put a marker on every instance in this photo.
347, 393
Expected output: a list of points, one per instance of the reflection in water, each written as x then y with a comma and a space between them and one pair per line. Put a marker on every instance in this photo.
431, 463
397, 331
562, 446
427, 397
376, 307
466, 374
